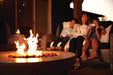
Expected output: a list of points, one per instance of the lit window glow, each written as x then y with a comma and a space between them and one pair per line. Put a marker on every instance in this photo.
72, 5
103, 7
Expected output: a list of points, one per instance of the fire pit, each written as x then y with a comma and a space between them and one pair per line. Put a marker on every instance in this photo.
52, 65
27, 60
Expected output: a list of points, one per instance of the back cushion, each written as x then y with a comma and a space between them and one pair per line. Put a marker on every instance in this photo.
105, 38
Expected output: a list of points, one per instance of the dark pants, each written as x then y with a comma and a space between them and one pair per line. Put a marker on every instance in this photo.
76, 45
63, 40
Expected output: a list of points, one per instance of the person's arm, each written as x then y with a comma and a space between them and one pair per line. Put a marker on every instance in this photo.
88, 34
97, 32
90, 31
62, 32
65, 33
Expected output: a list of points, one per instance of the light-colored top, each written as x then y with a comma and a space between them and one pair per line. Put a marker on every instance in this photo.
66, 31
80, 30
76, 30
84, 29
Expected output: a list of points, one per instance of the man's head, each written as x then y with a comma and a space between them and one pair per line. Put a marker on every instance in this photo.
73, 22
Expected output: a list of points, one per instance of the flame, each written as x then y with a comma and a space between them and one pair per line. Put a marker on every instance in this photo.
32, 45
20, 48
18, 31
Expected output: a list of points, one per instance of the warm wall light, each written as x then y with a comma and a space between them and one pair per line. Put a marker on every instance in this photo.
24, 4
72, 5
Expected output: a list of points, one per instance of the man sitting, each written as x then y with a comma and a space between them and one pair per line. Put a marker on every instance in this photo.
65, 35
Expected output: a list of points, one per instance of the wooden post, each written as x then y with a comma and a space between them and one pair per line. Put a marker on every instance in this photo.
49, 17
34, 17
16, 15
77, 11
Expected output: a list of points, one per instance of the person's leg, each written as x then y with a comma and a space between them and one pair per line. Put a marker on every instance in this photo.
57, 41
63, 42
95, 47
72, 45
79, 44
84, 49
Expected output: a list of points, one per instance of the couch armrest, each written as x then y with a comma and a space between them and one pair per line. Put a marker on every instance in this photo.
111, 51
46, 39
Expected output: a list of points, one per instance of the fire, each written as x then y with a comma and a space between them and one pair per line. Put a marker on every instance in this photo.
32, 45
20, 48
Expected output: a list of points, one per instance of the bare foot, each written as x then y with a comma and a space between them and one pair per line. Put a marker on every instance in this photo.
84, 58
93, 56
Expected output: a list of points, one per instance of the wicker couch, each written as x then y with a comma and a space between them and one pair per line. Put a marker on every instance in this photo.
104, 52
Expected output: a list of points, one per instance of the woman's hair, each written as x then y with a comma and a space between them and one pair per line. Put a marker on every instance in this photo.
88, 18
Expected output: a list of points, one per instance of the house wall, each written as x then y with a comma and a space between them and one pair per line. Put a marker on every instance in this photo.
60, 12
25, 13
41, 17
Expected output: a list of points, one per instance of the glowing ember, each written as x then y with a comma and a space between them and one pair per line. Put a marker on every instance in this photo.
32, 45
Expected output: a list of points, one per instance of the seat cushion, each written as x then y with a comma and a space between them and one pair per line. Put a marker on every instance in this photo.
102, 46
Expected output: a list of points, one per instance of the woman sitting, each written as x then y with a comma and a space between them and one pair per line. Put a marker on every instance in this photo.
79, 33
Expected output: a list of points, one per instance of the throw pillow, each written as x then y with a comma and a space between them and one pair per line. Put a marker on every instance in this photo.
105, 38
66, 24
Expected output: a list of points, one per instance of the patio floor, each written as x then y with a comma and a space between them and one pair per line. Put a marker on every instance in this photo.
92, 68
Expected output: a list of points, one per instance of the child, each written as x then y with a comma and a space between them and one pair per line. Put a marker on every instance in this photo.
93, 38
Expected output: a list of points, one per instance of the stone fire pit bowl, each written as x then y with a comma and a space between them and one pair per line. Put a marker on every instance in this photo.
56, 65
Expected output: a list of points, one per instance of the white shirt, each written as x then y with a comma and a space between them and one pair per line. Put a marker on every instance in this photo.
80, 30
84, 29
66, 31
